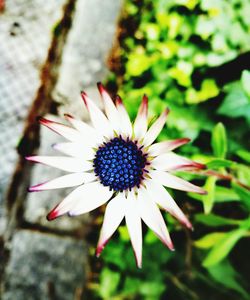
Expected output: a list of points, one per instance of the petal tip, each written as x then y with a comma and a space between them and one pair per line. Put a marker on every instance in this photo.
144, 105
199, 165
101, 245
189, 225
52, 215
98, 251
145, 99
118, 100
168, 243
30, 158
166, 111
31, 189
203, 192
138, 262
68, 116
43, 121
38, 118
84, 98
186, 140
36, 188
100, 87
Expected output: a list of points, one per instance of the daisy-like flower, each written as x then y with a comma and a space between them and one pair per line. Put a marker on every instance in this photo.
115, 161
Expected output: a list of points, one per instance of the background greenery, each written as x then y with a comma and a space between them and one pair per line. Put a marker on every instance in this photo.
190, 55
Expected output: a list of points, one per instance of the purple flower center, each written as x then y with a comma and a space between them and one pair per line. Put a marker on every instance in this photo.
120, 164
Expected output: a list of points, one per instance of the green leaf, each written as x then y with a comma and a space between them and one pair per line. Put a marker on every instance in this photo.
228, 277
152, 290
209, 240
215, 221
220, 163
189, 121
138, 63
208, 200
236, 103
224, 246
131, 286
223, 194
208, 90
243, 193
150, 237
245, 224
219, 141
243, 174
245, 81
245, 155
124, 235
109, 281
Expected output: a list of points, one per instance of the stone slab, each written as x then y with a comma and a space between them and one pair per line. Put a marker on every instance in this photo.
43, 266
25, 37
88, 45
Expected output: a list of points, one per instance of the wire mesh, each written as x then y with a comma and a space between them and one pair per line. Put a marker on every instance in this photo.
25, 35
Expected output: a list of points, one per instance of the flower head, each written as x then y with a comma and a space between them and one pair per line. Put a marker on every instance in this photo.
115, 161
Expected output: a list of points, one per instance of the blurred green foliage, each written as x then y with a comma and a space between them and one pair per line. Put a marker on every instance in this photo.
169, 57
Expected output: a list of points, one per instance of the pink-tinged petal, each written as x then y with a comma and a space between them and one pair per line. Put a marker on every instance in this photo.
155, 129
92, 196
98, 119
162, 197
166, 146
152, 217
114, 213
69, 164
75, 149
65, 181
67, 132
125, 123
110, 108
89, 134
82, 200
171, 161
133, 222
175, 182
141, 121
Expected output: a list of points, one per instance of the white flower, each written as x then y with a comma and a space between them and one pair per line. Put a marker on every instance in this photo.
116, 161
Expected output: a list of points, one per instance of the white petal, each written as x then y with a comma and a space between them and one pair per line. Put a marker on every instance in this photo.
88, 133
125, 123
84, 198
155, 129
152, 217
69, 133
68, 180
76, 150
110, 108
69, 164
133, 222
141, 122
161, 196
98, 119
114, 214
175, 182
171, 161
166, 146
91, 196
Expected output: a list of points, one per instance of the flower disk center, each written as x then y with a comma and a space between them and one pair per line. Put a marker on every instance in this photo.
120, 164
